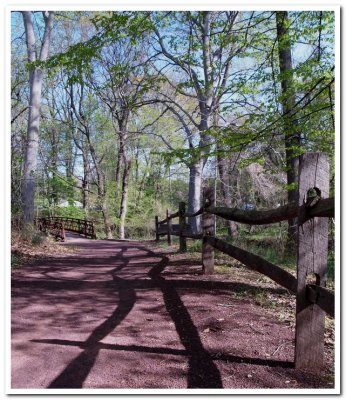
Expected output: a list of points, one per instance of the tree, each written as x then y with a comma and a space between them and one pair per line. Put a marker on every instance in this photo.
83, 114
35, 82
201, 49
122, 83
288, 100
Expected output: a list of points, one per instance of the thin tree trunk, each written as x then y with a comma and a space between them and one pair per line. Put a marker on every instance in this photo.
54, 166
69, 154
223, 167
101, 190
292, 137
85, 183
35, 80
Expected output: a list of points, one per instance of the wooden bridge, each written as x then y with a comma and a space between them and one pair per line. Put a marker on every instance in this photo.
57, 226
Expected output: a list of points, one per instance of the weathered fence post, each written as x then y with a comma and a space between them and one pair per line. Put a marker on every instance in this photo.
169, 229
208, 226
157, 237
312, 259
182, 227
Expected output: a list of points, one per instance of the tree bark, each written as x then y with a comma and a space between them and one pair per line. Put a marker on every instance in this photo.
124, 196
101, 190
85, 182
194, 197
100, 176
292, 137
35, 81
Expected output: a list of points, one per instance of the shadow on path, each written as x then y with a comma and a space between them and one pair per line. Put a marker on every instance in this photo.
77, 371
202, 373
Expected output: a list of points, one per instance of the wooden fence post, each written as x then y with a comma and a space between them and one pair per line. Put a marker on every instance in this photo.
182, 227
208, 226
169, 228
157, 237
312, 259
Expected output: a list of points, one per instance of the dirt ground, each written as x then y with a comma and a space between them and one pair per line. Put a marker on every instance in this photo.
121, 314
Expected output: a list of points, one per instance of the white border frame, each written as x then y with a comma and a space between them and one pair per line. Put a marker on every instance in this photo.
178, 5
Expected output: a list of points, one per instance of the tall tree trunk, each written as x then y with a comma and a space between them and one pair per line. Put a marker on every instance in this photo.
194, 197
35, 81
54, 166
123, 136
124, 197
85, 182
68, 158
118, 168
101, 190
292, 137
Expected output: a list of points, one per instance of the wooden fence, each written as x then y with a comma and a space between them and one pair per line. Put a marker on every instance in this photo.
58, 225
312, 212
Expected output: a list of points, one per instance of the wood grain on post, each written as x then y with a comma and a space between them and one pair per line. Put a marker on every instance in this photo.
312, 259
182, 227
157, 237
169, 229
208, 226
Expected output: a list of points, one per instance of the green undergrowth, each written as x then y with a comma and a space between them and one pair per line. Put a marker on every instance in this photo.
268, 242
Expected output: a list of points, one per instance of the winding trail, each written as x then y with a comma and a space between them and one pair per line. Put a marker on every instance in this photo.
119, 315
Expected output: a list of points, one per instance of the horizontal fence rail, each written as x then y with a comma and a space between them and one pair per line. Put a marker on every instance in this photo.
311, 213
324, 208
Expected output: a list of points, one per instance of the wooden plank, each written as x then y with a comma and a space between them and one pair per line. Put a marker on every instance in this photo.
312, 259
256, 263
323, 297
208, 229
182, 223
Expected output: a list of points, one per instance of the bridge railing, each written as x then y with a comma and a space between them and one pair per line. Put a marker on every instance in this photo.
76, 225
312, 213
53, 227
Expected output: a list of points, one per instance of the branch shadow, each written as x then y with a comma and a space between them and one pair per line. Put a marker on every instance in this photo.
78, 369
169, 351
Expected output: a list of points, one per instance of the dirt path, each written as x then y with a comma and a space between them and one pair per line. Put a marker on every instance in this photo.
119, 315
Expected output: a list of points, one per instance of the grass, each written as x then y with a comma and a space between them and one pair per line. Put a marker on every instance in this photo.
16, 261
268, 242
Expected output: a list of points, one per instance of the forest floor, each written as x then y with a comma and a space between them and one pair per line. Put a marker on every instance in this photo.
133, 315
